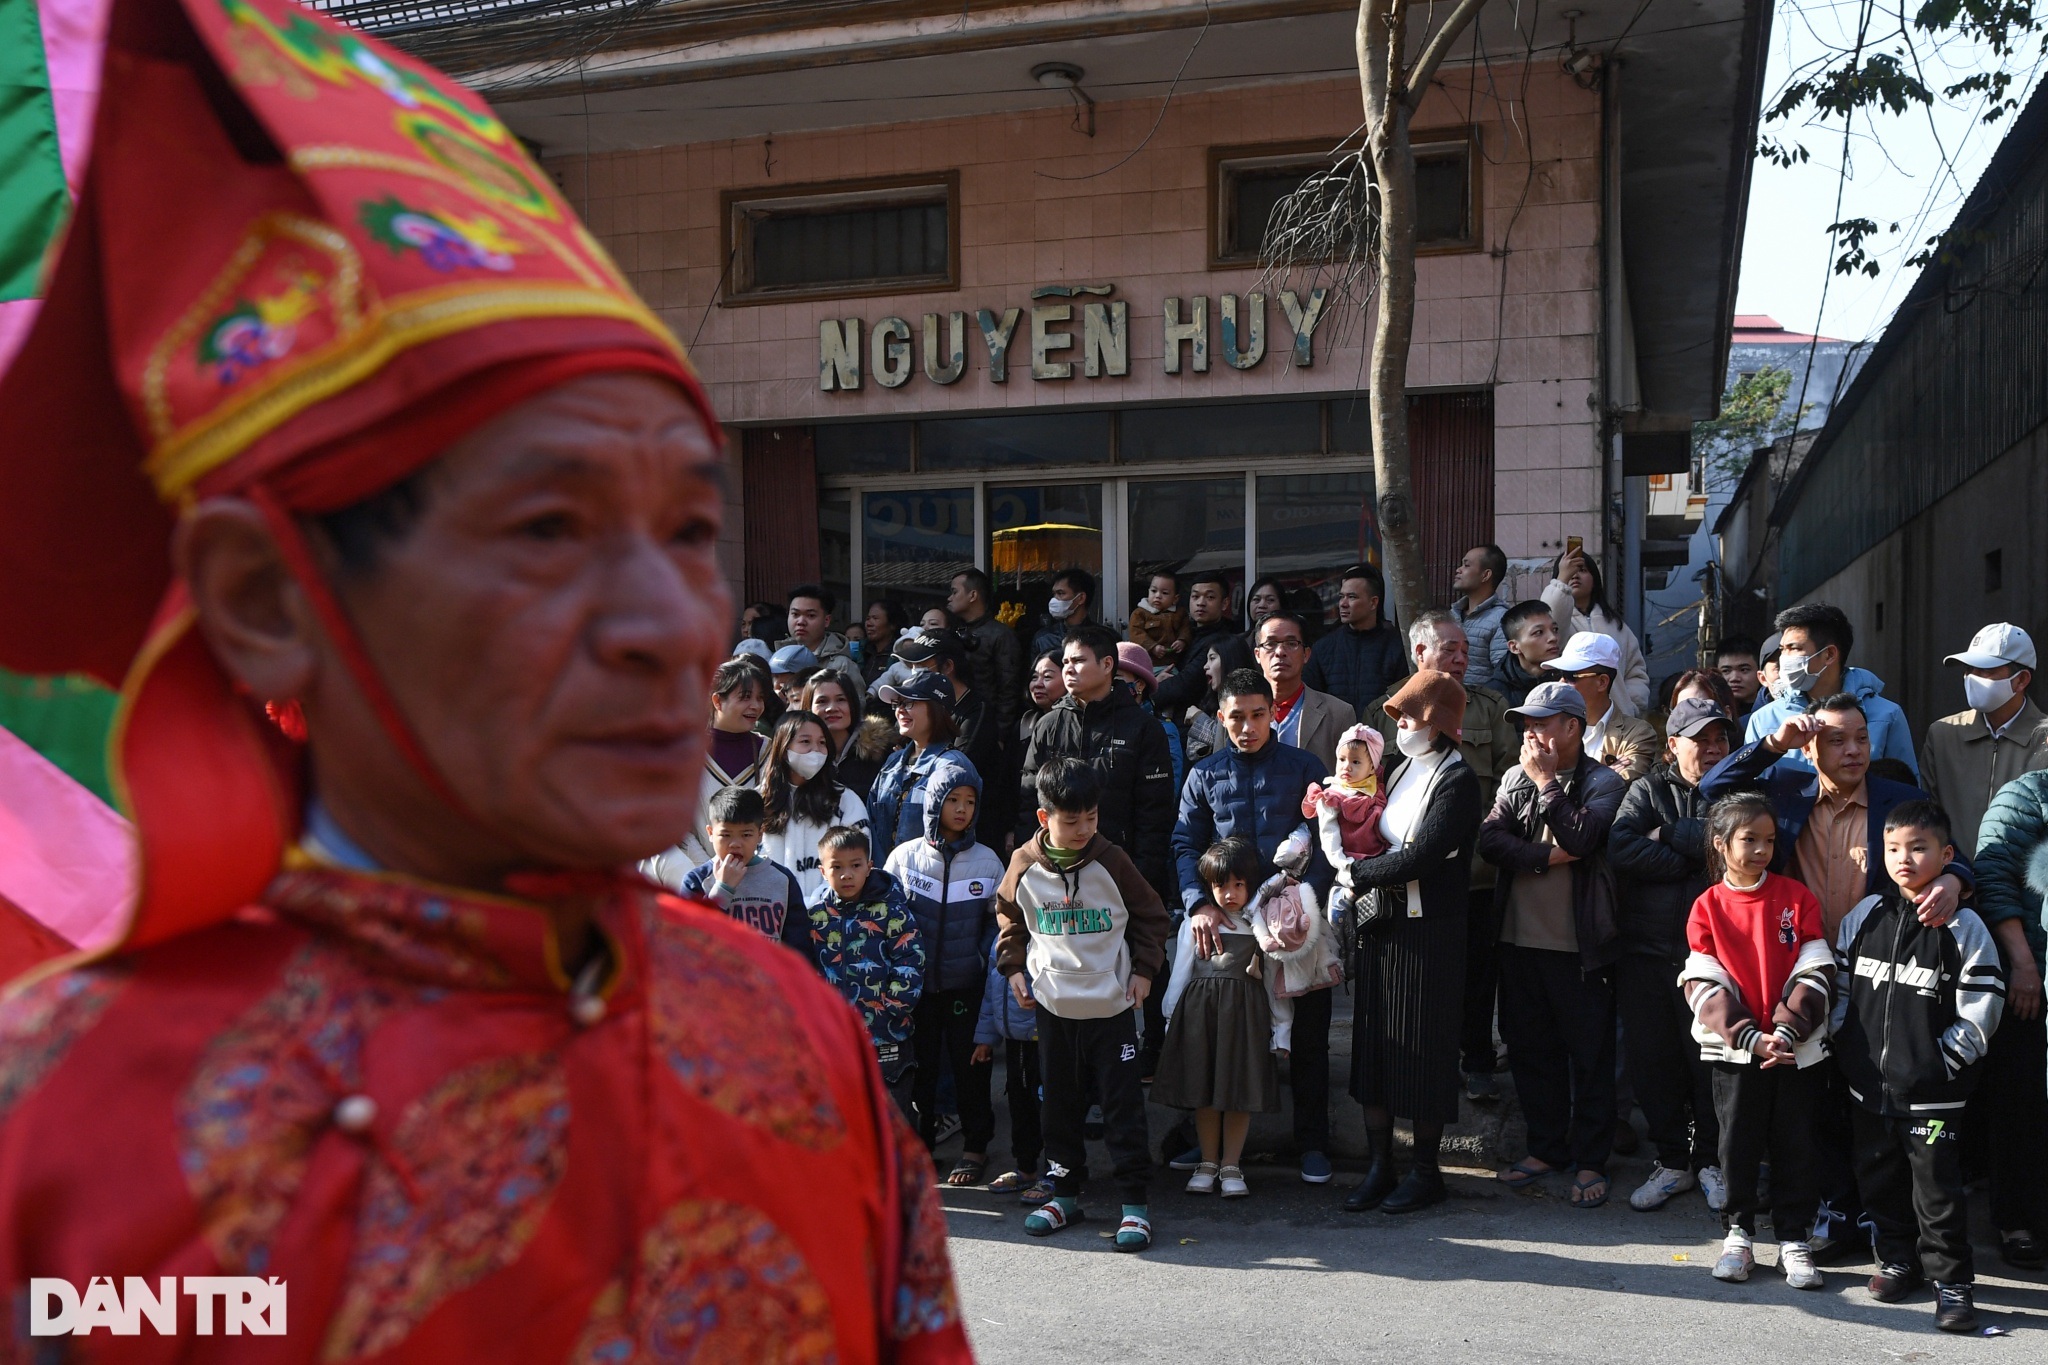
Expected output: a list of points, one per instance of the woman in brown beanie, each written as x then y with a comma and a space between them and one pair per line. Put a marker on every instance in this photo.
1409, 964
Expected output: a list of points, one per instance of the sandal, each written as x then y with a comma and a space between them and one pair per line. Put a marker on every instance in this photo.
1132, 1234
1584, 1182
1049, 1218
1040, 1191
966, 1172
1525, 1173
1010, 1182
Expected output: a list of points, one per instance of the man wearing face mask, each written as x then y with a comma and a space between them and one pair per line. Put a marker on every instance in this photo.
1973, 753
1069, 607
1815, 640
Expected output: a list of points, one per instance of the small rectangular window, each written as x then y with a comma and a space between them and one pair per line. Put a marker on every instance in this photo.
840, 241
1247, 183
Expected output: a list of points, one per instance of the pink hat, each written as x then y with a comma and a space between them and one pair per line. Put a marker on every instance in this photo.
1132, 659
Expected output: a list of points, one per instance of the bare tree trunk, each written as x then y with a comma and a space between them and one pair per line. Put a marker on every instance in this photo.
1382, 36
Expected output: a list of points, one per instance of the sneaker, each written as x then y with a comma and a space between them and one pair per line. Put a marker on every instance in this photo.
1892, 1283
1795, 1260
1481, 1087
1315, 1168
1189, 1160
1737, 1258
1203, 1181
1658, 1190
948, 1126
1955, 1307
1231, 1179
1714, 1188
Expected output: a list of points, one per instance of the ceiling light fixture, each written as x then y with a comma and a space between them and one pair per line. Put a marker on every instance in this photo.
1066, 76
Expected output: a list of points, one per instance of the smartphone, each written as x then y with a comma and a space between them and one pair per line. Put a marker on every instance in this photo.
1574, 546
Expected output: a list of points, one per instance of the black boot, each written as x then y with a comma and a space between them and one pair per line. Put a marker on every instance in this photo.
1421, 1187
1379, 1179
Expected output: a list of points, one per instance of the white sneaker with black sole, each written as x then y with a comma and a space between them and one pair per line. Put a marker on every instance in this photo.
1663, 1184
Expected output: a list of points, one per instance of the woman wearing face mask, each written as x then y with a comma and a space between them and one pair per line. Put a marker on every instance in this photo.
1578, 600
804, 797
859, 744
1408, 966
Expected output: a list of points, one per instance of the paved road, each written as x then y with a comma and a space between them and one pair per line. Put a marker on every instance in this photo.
1287, 1276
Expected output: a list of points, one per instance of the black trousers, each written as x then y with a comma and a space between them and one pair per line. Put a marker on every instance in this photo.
1834, 1156
1482, 975
1769, 1114
1910, 1174
943, 1024
1308, 1071
1558, 1024
2010, 1108
1020, 1087
1671, 1083
1109, 1049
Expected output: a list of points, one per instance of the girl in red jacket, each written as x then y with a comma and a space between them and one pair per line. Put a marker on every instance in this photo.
1759, 979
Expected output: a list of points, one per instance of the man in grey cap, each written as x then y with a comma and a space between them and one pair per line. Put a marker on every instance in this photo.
1974, 752
791, 667
1560, 939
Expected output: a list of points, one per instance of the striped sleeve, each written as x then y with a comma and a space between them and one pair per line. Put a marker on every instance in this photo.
1980, 993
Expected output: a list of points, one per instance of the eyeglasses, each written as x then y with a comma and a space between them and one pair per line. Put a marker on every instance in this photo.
1275, 646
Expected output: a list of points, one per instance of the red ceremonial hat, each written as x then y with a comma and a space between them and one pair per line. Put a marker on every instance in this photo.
302, 264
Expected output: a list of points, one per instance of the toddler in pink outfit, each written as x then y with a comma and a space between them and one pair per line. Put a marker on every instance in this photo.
1347, 812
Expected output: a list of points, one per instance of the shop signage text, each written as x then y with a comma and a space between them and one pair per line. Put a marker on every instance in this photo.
1101, 335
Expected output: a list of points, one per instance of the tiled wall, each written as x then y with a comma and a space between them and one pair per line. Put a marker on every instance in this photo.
1040, 203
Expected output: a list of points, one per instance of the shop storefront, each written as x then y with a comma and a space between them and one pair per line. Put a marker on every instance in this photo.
1253, 490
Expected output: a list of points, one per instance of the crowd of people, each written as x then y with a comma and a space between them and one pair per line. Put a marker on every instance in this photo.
1808, 952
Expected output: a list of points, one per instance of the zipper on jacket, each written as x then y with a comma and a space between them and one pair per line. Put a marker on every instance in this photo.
1891, 993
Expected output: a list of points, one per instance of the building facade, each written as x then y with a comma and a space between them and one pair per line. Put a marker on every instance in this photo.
993, 288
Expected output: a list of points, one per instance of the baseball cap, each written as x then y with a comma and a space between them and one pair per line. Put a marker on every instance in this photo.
1551, 699
1995, 646
926, 645
1695, 714
1588, 649
792, 659
1774, 645
920, 686
752, 649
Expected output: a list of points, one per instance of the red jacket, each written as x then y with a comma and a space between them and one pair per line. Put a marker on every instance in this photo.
1756, 936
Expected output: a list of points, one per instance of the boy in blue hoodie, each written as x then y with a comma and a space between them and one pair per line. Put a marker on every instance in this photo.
865, 941
950, 882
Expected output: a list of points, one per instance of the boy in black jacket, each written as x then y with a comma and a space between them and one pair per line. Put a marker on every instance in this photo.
1915, 1013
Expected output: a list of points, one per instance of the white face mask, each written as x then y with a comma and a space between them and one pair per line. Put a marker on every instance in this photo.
807, 766
1415, 743
1059, 608
1795, 670
1987, 694
1779, 688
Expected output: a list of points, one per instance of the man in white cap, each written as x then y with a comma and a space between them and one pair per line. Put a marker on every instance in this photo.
1974, 752
1628, 744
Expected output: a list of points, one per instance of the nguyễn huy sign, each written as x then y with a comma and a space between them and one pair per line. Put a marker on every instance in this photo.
228, 1305
1069, 329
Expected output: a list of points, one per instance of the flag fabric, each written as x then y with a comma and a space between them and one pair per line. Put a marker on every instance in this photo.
50, 52
67, 860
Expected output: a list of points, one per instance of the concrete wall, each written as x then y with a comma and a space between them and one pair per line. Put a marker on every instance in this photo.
1040, 203
1929, 579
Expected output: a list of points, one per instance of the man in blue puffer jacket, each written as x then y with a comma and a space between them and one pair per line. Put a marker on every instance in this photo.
1253, 791
950, 882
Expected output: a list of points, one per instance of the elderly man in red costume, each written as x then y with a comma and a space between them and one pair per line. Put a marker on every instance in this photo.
336, 413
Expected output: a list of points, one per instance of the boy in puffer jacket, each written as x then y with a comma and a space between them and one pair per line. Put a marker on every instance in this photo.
1014, 1023
950, 882
1912, 1021
865, 941
1084, 934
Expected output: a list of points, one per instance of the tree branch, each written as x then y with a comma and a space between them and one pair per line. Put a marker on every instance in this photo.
1437, 48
